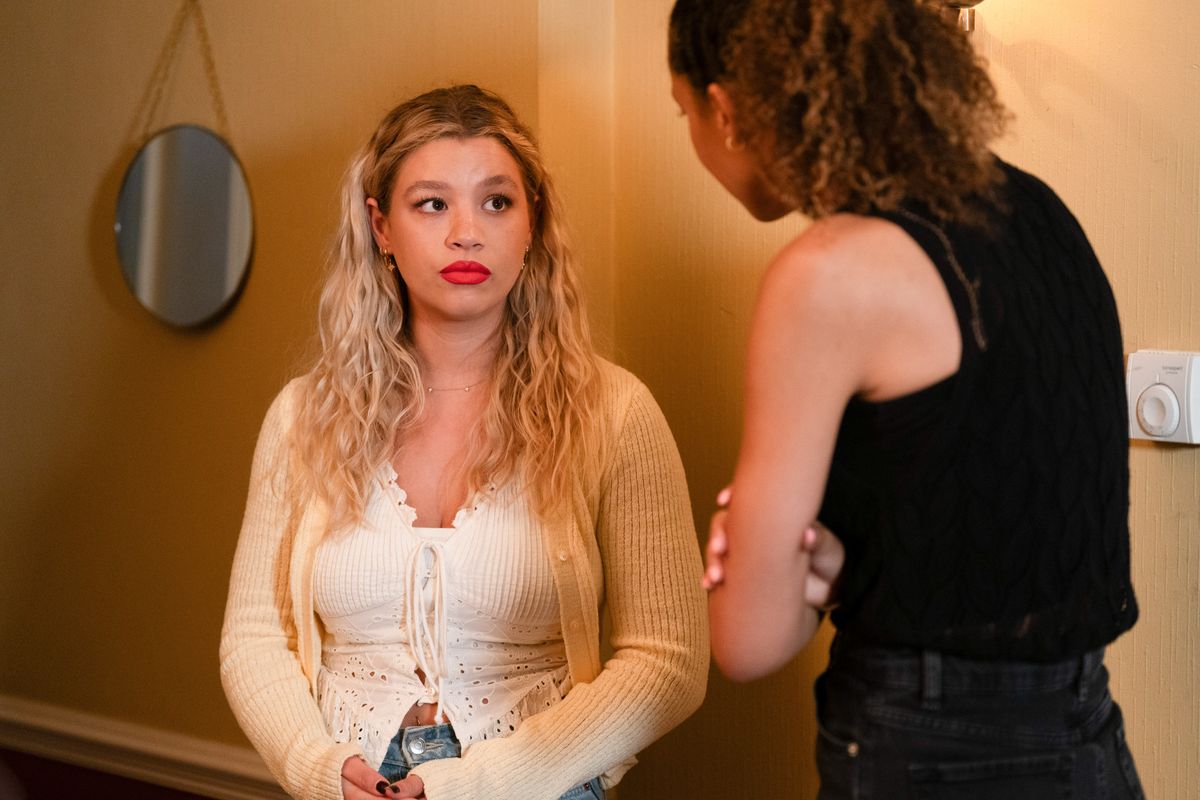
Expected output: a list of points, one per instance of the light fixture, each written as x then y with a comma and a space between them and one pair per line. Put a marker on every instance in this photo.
965, 11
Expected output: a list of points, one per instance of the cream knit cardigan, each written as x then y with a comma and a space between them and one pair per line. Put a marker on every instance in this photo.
630, 545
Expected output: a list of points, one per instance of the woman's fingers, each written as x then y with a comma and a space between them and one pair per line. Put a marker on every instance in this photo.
714, 552
359, 781
352, 792
409, 787
826, 558
826, 552
724, 496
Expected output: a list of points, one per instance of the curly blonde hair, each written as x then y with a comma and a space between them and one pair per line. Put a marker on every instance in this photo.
851, 105
541, 425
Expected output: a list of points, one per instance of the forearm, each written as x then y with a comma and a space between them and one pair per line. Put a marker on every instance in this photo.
266, 688
760, 613
282, 721
752, 640
261, 674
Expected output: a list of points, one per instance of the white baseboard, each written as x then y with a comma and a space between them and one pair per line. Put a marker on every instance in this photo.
135, 751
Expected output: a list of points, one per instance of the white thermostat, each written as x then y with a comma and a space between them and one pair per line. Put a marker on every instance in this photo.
1163, 387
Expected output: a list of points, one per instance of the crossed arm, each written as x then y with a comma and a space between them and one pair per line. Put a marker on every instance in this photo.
852, 307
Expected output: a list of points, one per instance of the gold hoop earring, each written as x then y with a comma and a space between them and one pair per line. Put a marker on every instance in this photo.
732, 144
525, 259
388, 260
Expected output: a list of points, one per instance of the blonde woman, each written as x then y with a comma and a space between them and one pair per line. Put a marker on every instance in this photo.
441, 507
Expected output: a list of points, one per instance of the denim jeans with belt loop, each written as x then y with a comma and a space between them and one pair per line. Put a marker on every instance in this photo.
897, 723
420, 743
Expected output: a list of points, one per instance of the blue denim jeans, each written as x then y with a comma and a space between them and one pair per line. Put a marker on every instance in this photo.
901, 724
418, 744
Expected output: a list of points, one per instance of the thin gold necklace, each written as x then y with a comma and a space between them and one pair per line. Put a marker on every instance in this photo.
431, 389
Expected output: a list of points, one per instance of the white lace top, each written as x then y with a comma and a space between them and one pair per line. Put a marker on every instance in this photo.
474, 607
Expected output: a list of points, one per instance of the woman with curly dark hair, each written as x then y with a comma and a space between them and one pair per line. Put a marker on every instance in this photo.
935, 372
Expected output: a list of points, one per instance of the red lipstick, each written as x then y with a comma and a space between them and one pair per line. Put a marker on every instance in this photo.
466, 272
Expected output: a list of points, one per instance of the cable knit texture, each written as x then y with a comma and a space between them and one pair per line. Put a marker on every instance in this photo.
987, 515
630, 545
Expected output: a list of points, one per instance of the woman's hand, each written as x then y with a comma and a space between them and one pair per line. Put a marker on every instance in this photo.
359, 781
410, 787
826, 555
718, 545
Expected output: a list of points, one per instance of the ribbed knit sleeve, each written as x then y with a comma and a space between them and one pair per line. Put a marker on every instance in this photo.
268, 692
656, 675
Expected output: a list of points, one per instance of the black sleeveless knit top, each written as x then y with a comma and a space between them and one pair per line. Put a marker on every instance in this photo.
987, 515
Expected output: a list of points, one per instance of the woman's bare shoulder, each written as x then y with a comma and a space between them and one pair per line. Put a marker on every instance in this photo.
863, 285
849, 262
842, 246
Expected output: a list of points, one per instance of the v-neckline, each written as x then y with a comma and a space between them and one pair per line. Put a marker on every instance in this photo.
391, 485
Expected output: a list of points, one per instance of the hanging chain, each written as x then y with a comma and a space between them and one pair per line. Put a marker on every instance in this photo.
159, 76
210, 69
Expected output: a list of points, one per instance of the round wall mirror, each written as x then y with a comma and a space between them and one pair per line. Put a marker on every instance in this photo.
185, 226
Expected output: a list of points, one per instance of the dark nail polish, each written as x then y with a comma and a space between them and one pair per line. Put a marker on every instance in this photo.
382, 787
395, 789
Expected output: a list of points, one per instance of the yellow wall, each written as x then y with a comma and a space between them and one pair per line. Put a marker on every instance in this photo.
687, 263
125, 446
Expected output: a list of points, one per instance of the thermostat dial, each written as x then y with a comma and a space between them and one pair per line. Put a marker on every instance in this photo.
1158, 410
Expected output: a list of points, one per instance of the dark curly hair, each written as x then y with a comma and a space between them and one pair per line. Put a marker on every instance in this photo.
852, 104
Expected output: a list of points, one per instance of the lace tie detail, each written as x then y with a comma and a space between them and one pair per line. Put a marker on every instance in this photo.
425, 615
404, 624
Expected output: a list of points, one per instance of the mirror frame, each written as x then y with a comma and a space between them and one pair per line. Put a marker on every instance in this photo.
180, 197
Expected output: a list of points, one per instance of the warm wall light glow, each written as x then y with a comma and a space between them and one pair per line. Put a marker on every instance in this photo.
965, 10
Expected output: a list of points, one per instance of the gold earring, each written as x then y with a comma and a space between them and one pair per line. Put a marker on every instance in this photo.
388, 261
525, 259
732, 143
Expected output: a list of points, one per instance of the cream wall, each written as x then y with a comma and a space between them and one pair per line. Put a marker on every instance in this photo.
125, 446
1108, 105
